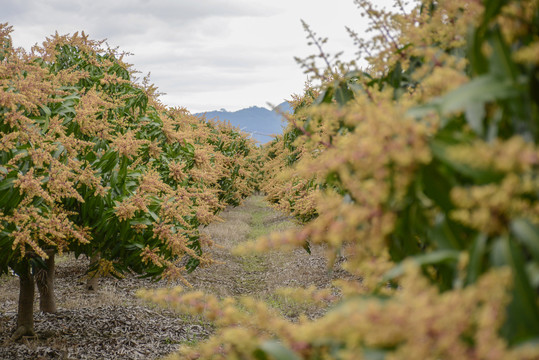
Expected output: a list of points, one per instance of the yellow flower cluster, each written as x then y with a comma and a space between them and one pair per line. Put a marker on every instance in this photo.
490, 207
89, 115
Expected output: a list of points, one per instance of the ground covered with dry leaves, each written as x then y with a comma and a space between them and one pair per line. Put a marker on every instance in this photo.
111, 323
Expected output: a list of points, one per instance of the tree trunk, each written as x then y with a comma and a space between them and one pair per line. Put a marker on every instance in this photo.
45, 284
93, 276
25, 315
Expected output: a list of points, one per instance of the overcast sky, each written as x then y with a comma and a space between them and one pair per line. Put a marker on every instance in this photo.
204, 54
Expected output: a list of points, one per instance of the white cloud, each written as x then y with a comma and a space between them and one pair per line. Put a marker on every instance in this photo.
205, 54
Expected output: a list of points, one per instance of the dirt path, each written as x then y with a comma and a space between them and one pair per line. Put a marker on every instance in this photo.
113, 324
259, 275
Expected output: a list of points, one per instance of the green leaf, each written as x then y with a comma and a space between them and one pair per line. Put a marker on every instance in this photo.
528, 234
153, 215
492, 8
532, 269
501, 63
7, 183
140, 221
134, 246
477, 60
374, 354
260, 355
431, 258
480, 90
475, 114
442, 234
325, 96
497, 253
278, 351
343, 94
477, 253
522, 321
481, 176
436, 186
395, 76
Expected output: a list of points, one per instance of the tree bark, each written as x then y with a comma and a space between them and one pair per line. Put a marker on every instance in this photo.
45, 284
93, 276
25, 315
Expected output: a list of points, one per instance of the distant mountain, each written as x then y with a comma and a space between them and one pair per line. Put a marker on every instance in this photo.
260, 122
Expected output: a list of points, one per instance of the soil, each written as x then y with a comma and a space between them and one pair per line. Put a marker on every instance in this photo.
112, 323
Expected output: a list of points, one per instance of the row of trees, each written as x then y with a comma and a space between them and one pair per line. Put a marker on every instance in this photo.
421, 171
93, 163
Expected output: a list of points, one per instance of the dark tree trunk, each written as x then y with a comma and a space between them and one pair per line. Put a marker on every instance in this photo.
45, 284
25, 315
93, 277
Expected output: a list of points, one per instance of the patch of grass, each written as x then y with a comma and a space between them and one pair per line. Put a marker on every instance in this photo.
288, 307
257, 231
252, 266
233, 229
189, 342
253, 263
172, 341
264, 220
282, 225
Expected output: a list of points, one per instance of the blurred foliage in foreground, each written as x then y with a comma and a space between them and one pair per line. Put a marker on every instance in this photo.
422, 171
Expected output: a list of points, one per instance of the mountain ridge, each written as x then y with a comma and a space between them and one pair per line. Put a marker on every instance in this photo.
260, 122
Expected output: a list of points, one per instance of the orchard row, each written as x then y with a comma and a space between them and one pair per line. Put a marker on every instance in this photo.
93, 163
